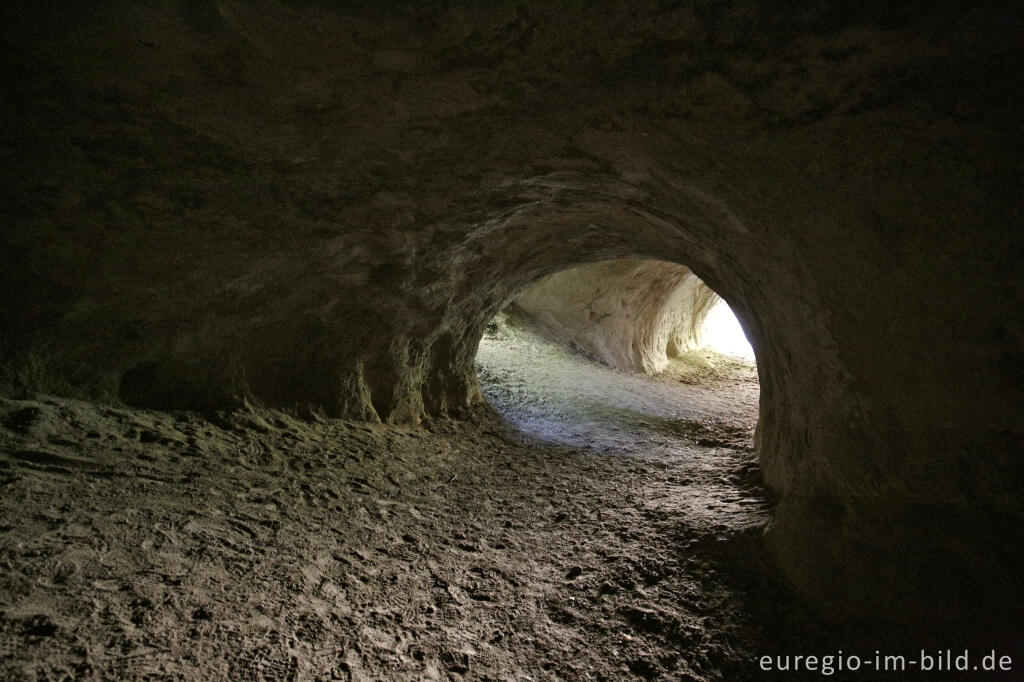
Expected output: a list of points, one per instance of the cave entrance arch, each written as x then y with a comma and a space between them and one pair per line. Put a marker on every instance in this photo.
620, 354
547, 224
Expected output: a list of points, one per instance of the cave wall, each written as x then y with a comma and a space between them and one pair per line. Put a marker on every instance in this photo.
685, 315
320, 207
629, 314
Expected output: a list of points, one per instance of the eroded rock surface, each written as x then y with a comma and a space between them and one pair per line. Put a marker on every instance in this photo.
627, 313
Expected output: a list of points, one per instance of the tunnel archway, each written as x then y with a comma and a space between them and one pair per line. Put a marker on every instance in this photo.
629, 314
615, 354
553, 223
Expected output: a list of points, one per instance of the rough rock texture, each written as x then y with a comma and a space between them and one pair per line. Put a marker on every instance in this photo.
630, 314
322, 206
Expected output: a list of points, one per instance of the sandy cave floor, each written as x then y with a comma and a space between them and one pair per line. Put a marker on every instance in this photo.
607, 530
698, 417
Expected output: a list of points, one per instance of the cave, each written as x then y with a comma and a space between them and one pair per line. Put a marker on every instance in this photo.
258, 261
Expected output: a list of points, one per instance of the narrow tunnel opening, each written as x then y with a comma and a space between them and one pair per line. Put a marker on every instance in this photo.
722, 333
637, 358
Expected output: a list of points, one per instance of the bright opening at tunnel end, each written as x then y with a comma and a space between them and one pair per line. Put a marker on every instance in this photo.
722, 333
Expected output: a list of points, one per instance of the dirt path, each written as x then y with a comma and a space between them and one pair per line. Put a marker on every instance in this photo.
701, 428
149, 545
560, 396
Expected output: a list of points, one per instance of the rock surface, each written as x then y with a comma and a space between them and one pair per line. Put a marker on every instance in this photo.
321, 208
627, 313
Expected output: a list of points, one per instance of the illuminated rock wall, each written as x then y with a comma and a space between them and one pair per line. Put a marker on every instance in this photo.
629, 314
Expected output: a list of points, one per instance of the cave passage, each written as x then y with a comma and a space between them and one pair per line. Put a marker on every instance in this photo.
700, 408
552, 392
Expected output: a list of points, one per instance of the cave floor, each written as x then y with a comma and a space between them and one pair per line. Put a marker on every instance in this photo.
254, 545
698, 415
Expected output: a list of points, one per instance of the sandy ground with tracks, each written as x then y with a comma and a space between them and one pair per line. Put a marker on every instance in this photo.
605, 528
